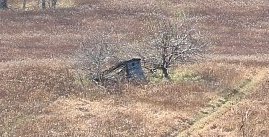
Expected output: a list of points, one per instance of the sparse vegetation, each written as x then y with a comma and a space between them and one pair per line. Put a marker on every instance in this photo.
42, 93
172, 45
95, 56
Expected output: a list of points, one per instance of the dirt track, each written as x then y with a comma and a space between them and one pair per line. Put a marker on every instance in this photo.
217, 111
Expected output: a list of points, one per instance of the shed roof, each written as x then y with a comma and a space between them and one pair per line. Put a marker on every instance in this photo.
120, 64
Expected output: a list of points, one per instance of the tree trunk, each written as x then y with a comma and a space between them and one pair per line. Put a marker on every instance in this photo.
3, 4
165, 73
24, 4
53, 3
43, 4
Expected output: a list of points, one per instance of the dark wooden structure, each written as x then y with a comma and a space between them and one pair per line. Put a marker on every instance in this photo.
130, 70
3, 4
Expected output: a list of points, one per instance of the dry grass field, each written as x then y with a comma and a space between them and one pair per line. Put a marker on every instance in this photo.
225, 94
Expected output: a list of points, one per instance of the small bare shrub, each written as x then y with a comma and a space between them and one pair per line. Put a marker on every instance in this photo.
94, 57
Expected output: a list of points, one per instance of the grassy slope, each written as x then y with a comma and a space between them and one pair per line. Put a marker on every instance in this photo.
210, 119
45, 100
30, 89
34, 103
234, 27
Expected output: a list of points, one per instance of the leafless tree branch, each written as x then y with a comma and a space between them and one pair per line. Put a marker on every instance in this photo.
172, 44
96, 55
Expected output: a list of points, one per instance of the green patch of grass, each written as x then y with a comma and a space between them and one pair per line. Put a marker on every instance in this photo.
244, 83
66, 4
186, 75
157, 77
178, 76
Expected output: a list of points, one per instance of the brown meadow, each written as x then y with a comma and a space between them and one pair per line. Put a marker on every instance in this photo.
225, 94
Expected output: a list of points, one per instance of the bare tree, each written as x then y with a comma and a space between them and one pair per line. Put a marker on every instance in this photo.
53, 3
47, 3
3, 4
24, 4
172, 44
43, 4
94, 56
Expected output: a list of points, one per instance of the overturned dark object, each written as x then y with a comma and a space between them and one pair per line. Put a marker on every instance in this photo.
3, 4
130, 70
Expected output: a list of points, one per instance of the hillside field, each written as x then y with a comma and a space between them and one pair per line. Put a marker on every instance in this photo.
224, 94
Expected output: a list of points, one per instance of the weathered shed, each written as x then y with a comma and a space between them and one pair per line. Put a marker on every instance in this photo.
3, 4
130, 69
